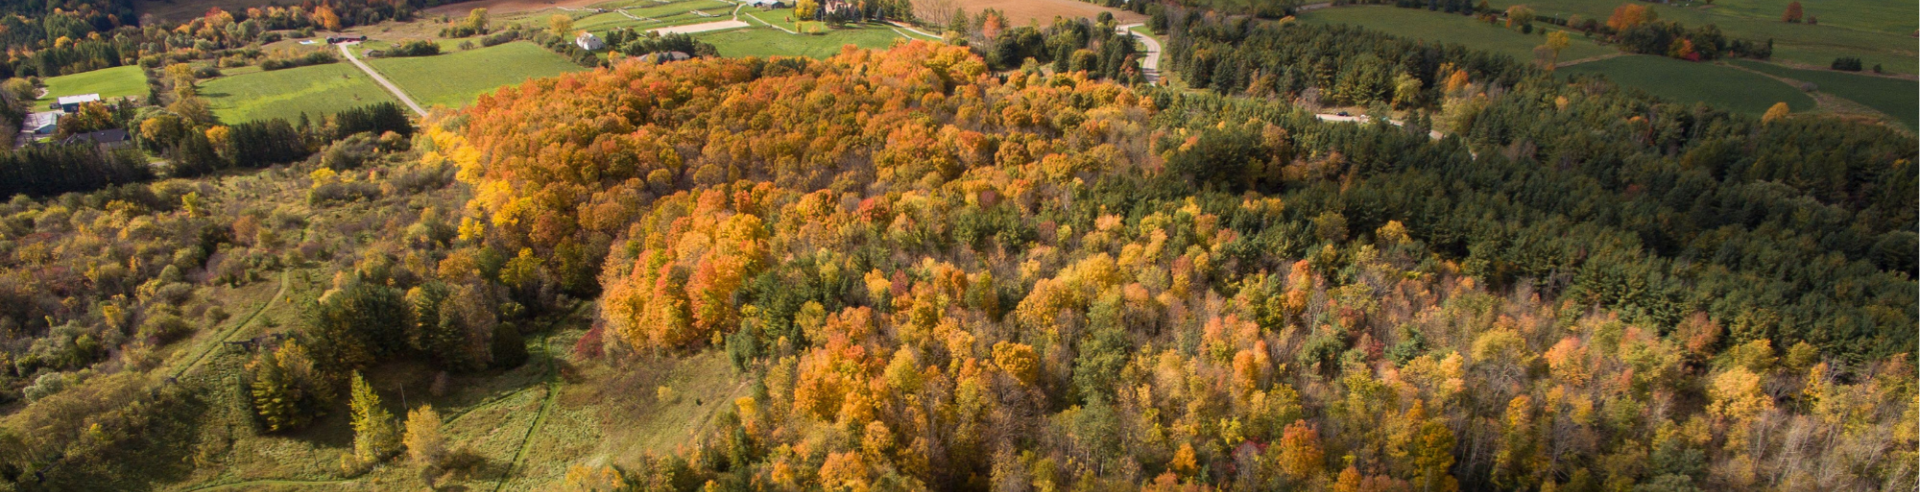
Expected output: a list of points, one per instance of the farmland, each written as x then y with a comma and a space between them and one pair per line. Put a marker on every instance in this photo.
1451, 28
765, 42
427, 78
1877, 31
1687, 82
672, 14
314, 90
109, 83
1895, 97
1043, 11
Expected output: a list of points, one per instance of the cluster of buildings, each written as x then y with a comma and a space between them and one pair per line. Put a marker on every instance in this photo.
43, 124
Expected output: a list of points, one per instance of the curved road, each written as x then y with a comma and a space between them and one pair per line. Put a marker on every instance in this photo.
1150, 64
397, 93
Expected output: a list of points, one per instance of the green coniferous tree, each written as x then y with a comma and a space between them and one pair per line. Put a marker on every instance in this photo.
374, 436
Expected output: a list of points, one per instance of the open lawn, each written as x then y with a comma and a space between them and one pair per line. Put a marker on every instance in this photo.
655, 15
1451, 28
1895, 97
456, 79
766, 42
316, 90
109, 83
1877, 31
1686, 82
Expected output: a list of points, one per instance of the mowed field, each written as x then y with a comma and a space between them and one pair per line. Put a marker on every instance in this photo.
1452, 28
1898, 98
315, 90
1043, 11
456, 79
654, 15
1876, 31
767, 42
108, 83
1686, 82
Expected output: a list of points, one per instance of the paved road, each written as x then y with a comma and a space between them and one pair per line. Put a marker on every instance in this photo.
1150, 64
397, 93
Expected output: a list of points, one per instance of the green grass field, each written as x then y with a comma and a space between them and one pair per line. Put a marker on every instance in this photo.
1877, 31
457, 79
766, 42
1895, 97
1687, 82
109, 83
316, 90
1451, 28
673, 14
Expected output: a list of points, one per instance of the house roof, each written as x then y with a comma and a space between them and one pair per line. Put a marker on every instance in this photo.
87, 98
114, 135
41, 119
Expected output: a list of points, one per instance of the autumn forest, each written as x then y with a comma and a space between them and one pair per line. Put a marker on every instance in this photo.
934, 267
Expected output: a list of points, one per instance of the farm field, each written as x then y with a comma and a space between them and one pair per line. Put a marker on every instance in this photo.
1687, 82
1895, 97
456, 79
1043, 11
766, 42
315, 90
1877, 31
672, 14
1451, 28
109, 83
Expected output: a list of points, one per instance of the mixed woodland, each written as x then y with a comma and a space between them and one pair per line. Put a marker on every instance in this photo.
937, 267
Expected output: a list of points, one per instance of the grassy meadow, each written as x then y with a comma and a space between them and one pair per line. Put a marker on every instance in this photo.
315, 90
1687, 82
1877, 31
1898, 98
456, 79
109, 83
766, 42
1452, 28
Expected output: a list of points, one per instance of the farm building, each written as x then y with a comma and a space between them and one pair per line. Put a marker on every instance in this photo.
669, 56
345, 39
71, 104
768, 4
41, 124
588, 41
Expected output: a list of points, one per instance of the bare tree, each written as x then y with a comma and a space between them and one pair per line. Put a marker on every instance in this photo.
935, 12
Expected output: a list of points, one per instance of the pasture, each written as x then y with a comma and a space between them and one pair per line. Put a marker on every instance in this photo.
456, 79
1877, 31
768, 42
110, 83
1427, 25
315, 90
1019, 12
1688, 82
651, 15
1897, 98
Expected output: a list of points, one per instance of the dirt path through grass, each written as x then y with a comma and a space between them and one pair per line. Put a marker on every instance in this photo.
221, 339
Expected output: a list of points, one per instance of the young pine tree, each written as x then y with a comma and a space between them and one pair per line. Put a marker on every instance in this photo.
374, 435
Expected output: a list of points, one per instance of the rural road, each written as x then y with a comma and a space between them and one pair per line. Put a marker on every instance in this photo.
1151, 64
397, 93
